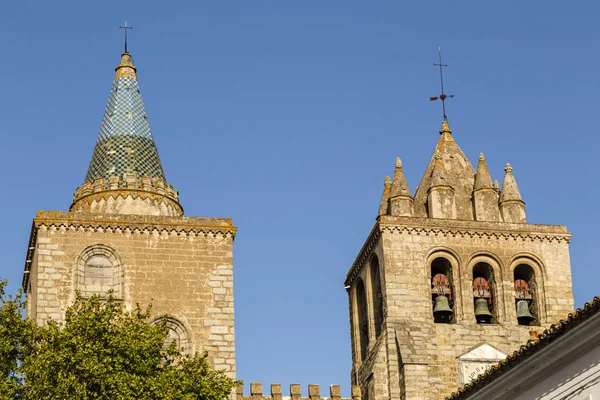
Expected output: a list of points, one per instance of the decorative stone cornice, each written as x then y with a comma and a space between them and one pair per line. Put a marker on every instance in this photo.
126, 224
180, 226
460, 233
455, 228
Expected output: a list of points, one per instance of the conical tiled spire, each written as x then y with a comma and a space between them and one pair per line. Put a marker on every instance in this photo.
125, 142
125, 175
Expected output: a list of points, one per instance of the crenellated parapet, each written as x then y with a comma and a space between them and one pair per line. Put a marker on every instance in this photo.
132, 194
276, 393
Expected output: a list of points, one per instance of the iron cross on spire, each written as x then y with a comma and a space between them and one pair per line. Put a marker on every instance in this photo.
126, 28
442, 96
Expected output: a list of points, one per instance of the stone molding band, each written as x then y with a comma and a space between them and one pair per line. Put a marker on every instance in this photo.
367, 248
140, 229
161, 226
479, 234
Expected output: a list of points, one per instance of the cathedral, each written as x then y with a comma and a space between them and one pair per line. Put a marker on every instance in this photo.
450, 280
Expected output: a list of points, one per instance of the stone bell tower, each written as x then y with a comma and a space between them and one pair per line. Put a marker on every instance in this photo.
126, 232
451, 279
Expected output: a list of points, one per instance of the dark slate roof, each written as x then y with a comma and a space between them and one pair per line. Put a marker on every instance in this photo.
529, 349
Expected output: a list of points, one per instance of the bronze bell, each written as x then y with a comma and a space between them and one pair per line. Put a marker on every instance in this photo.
441, 309
482, 312
523, 314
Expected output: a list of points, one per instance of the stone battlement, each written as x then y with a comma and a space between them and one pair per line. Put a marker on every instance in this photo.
256, 393
131, 181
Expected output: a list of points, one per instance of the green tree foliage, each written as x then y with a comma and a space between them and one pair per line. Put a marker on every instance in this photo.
15, 339
100, 351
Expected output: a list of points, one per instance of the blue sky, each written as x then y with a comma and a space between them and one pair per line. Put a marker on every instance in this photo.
286, 115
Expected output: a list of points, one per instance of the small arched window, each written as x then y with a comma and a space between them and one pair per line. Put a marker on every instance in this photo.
441, 291
99, 271
484, 290
363, 320
526, 298
176, 332
377, 295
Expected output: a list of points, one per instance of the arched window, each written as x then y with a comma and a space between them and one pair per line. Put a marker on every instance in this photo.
98, 271
441, 291
363, 320
176, 332
377, 295
526, 295
484, 291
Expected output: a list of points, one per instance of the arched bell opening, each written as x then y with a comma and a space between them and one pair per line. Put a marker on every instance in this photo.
526, 300
363, 320
442, 299
377, 296
484, 294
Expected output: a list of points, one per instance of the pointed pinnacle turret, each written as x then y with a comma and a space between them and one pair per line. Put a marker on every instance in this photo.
385, 197
510, 190
512, 207
401, 202
485, 197
399, 184
483, 180
440, 196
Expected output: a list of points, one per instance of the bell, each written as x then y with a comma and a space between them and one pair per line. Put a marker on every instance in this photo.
441, 309
523, 314
482, 312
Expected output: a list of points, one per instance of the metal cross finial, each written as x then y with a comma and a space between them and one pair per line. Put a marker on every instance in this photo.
442, 96
126, 28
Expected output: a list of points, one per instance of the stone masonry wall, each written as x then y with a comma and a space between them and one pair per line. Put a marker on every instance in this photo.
414, 358
182, 266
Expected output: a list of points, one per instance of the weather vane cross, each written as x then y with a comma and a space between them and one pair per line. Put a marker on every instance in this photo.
126, 28
442, 96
